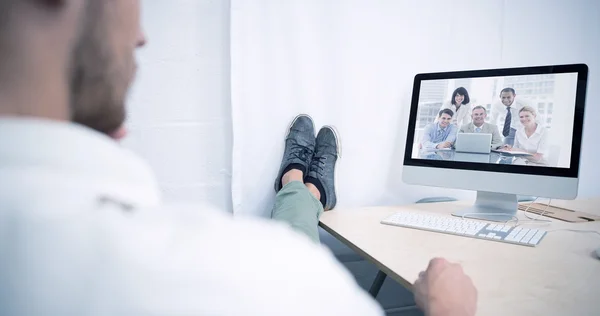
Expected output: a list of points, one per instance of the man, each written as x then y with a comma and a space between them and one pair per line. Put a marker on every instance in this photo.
440, 134
82, 227
479, 125
505, 114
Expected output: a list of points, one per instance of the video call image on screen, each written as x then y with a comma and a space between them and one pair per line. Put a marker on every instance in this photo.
517, 120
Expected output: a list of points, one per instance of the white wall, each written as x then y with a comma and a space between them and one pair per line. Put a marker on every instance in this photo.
555, 31
180, 115
179, 110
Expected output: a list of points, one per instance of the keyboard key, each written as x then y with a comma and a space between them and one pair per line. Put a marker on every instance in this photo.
521, 234
530, 234
537, 237
517, 230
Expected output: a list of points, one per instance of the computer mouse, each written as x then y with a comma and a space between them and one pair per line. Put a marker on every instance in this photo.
598, 253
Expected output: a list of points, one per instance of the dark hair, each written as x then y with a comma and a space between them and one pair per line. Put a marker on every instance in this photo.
479, 107
447, 111
462, 91
508, 90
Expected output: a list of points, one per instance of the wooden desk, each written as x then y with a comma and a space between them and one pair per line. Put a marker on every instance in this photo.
561, 276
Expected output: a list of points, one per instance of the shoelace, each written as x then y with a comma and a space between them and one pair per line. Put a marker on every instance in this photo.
301, 152
317, 164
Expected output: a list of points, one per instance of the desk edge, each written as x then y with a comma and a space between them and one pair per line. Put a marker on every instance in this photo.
405, 283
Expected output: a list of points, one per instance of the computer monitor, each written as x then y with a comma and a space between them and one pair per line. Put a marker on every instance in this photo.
535, 118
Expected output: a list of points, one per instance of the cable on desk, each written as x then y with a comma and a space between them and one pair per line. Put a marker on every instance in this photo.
515, 218
537, 219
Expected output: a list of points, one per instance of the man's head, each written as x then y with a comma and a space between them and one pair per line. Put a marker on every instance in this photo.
445, 117
93, 41
478, 115
507, 95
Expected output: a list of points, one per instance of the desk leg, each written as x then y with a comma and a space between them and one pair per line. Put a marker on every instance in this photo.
377, 283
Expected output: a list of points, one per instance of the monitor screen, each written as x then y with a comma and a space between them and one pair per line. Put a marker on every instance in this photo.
507, 120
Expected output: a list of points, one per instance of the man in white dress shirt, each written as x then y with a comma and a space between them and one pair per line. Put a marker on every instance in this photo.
505, 114
83, 230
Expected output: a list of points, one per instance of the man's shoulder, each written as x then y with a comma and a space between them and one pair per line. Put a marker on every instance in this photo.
491, 126
430, 126
466, 127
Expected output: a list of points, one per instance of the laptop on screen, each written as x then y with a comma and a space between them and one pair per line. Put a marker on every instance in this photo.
478, 143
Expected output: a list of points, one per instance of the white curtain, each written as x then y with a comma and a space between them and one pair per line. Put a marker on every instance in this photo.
351, 63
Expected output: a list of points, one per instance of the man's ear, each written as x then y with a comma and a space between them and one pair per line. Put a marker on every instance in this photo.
119, 134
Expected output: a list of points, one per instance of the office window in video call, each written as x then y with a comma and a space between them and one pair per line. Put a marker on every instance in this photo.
517, 120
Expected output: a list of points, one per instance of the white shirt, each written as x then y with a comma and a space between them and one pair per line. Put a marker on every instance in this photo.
499, 111
83, 232
537, 143
460, 117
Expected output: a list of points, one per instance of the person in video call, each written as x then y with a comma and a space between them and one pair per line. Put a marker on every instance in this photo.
531, 136
479, 125
84, 228
505, 114
440, 134
460, 105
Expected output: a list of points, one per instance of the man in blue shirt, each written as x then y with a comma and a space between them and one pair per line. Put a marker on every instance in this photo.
440, 134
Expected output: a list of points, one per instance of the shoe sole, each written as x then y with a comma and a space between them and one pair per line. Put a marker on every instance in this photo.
338, 145
338, 140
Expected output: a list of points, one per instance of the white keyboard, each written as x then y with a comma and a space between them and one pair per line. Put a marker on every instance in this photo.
467, 228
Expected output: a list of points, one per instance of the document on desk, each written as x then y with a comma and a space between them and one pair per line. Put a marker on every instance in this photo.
512, 152
436, 149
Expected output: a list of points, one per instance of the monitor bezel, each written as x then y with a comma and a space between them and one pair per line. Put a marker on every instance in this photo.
571, 172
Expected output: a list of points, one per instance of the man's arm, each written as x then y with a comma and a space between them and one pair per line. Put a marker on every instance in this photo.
263, 267
452, 135
496, 138
427, 143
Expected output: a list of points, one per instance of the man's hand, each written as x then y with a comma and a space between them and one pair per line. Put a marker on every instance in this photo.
444, 145
507, 147
444, 290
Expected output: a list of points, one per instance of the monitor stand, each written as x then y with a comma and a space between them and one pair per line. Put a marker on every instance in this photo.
490, 206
